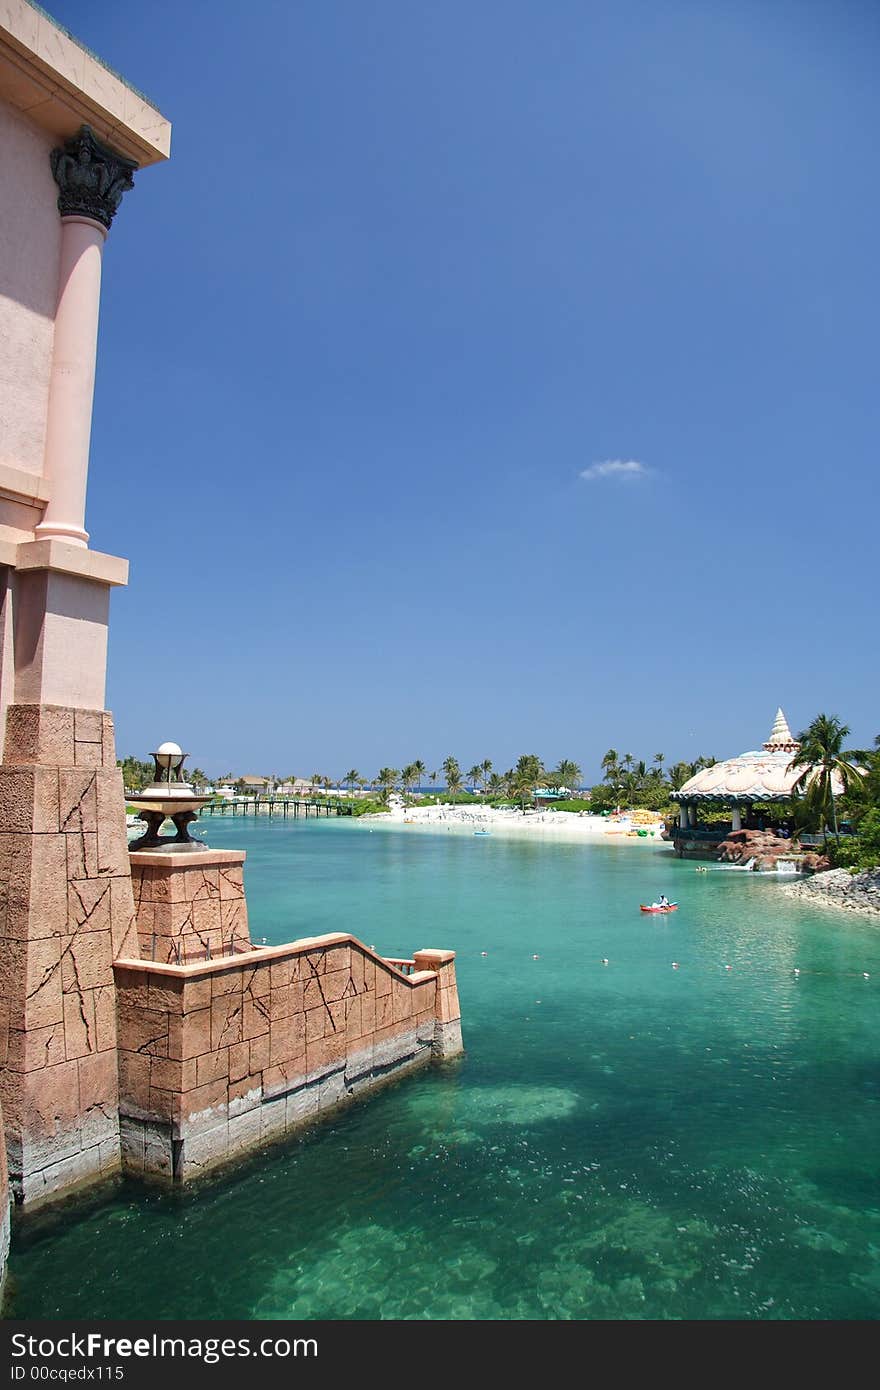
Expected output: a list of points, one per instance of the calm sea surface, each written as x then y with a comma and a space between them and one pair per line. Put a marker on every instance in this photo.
626, 1140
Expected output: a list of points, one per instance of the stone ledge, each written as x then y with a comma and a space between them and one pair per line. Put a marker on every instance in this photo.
260, 954
21, 486
185, 859
434, 955
64, 558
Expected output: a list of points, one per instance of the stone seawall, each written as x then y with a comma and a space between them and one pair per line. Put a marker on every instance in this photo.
839, 888
220, 1056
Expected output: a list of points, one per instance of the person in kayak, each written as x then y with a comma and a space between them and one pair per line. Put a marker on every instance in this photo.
664, 901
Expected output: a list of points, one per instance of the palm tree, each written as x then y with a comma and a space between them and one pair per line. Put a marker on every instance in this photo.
495, 785
609, 763
386, 778
820, 761
569, 774
408, 777
612, 771
474, 775
656, 773
679, 773
631, 784
420, 771
701, 762
452, 773
351, 777
528, 774
485, 769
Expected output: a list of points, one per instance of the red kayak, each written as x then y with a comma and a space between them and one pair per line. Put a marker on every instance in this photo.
673, 907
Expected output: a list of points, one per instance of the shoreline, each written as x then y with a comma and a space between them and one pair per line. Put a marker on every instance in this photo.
491, 820
840, 889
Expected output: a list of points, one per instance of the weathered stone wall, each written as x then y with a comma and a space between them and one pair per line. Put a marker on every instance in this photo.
66, 912
189, 906
218, 1057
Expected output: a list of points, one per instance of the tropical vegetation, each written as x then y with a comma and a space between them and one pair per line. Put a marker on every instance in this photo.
823, 763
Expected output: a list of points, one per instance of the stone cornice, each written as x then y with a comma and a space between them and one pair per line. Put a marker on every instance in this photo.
53, 80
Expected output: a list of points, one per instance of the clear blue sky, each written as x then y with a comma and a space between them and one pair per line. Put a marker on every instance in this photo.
413, 270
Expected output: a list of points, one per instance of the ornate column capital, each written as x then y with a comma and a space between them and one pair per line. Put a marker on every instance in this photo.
92, 177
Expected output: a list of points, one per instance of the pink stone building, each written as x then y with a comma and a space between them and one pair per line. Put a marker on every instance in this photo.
139, 1026
71, 135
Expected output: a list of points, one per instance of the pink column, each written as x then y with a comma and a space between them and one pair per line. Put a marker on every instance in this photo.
72, 383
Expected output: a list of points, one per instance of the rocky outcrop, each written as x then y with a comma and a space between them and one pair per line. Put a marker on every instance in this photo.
765, 847
839, 888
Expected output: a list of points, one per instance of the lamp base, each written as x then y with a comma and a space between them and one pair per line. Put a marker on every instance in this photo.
182, 841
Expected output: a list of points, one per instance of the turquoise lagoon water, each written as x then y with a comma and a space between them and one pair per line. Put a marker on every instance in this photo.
626, 1140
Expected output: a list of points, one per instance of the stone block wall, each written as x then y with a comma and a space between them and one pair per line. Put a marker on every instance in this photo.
215, 1058
189, 905
66, 912
113, 1054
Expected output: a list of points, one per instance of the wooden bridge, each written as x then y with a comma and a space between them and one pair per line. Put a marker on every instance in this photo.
280, 805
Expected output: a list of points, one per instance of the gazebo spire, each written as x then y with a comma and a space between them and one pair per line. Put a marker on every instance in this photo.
780, 740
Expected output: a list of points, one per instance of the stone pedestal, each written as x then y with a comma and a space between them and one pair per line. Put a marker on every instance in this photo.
66, 912
447, 1011
190, 905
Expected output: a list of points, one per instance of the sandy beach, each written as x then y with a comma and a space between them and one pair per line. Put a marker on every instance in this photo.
508, 821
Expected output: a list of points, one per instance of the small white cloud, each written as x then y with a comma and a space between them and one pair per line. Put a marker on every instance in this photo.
625, 470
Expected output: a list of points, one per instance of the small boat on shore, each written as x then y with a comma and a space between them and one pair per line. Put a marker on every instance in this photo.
654, 907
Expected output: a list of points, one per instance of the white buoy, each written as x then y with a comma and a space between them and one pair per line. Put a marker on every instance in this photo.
795, 971
728, 967
675, 965
865, 975
604, 960
536, 957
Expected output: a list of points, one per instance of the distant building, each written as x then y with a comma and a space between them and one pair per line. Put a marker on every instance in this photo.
253, 786
548, 796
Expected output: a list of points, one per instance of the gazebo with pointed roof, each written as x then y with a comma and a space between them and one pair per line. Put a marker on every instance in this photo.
761, 776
